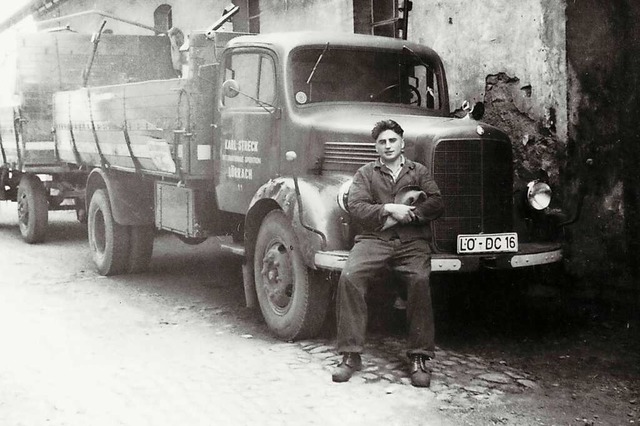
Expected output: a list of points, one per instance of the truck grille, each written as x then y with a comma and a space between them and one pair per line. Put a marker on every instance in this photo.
475, 178
348, 156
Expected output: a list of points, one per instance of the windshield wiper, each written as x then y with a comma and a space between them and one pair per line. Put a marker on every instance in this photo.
313, 71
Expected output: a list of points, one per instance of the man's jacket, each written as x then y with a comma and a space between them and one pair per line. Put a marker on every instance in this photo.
373, 186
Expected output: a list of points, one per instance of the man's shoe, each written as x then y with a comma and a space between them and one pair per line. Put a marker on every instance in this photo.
351, 362
420, 374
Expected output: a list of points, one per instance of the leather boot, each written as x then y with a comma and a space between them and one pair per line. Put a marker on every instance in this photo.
351, 362
420, 374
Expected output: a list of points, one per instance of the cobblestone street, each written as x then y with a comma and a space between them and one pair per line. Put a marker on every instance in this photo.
175, 346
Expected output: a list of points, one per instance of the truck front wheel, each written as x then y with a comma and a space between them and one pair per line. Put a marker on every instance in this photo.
108, 241
33, 212
292, 302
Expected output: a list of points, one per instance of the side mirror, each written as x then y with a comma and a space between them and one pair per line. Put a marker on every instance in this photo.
230, 88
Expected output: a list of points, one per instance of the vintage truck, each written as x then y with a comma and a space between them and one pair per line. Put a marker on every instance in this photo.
259, 140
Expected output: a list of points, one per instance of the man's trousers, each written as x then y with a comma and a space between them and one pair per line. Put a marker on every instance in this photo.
369, 259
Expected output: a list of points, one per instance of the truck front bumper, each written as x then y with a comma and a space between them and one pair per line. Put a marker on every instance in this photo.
530, 254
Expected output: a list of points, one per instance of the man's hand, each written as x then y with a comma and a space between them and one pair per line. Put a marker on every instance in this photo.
401, 212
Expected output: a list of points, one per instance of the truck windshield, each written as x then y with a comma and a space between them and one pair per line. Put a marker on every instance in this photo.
343, 75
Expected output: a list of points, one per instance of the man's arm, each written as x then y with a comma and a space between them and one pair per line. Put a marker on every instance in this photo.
369, 214
433, 207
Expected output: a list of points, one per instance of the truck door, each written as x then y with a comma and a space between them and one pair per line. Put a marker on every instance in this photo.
248, 147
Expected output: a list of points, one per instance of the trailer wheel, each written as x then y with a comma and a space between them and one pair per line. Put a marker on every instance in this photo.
33, 213
108, 241
292, 302
141, 247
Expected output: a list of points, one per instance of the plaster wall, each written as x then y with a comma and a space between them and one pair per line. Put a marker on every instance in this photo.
298, 15
481, 39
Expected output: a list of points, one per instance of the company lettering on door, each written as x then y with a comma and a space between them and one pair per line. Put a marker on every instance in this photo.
239, 152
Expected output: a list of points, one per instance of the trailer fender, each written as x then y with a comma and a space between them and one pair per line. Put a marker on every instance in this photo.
319, 225
130, 195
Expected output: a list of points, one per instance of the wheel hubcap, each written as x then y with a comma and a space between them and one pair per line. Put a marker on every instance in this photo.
277, 274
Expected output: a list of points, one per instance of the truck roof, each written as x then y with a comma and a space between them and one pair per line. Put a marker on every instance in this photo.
288, 41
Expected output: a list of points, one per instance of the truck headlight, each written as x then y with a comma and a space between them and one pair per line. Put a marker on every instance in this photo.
343, 195
538, 195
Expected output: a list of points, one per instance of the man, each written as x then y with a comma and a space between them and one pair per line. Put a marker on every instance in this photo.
393, 236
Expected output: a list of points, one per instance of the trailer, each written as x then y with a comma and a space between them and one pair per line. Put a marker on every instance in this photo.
32, 171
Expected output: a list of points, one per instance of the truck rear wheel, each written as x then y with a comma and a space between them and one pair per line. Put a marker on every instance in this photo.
33, 214
108, 241
141, 247
293, 304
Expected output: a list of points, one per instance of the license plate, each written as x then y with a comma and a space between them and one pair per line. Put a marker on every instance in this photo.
488, 243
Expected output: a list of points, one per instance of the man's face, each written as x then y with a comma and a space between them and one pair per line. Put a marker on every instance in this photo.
389, 145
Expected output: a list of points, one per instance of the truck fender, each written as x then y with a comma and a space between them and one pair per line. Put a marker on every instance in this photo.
130, 195
320, 225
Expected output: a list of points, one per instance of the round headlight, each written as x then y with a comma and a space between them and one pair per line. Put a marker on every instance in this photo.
343, 195
538, 195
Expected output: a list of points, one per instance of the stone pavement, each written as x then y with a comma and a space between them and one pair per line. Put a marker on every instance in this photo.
175, 347
87, 353
459, 381
74, 355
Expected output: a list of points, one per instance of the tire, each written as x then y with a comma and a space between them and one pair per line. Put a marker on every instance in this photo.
293, 302
141, 247
109, 242
33, 214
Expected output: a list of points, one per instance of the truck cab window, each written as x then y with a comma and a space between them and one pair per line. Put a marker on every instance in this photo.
255, 74
345, 75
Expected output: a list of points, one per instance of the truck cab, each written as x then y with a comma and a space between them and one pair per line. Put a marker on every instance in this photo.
294, 115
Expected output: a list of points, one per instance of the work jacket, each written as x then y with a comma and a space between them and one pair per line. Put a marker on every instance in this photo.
373, 186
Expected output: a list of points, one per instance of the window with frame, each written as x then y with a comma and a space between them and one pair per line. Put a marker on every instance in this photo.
377, 17
256, 77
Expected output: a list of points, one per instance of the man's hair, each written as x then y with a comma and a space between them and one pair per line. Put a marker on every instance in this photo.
383, 125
